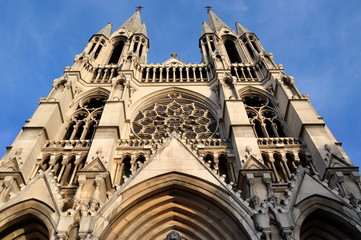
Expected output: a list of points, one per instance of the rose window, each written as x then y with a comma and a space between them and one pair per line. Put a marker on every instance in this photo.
189, 119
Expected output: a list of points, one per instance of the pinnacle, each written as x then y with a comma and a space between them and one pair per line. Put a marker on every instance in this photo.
106, 30
206, 28
241, 29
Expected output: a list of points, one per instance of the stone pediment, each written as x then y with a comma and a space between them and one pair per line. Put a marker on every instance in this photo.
10, 166
253, 163
174, 60
174, 156
94, 166
335, 161
311, 187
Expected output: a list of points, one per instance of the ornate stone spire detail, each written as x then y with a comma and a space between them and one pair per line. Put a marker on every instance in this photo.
133, 23
214, 22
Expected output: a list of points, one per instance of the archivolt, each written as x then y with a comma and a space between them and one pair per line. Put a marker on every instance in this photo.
197, 210
320, 216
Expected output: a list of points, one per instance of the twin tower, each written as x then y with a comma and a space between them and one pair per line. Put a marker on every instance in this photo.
223, 149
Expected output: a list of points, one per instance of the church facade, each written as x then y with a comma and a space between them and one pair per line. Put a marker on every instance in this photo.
223, 149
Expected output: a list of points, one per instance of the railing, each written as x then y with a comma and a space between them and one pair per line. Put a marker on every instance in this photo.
104, 74
68, 144
244, 73
175, 73
139, 142
279, 141
210, 142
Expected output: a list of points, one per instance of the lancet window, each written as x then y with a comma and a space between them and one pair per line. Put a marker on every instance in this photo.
187, 118
138, 45
96, 47
85, 119
232, 51
117, 51
264, 117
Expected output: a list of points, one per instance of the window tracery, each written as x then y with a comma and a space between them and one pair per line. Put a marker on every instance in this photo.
264, 117
85, 118
189, 119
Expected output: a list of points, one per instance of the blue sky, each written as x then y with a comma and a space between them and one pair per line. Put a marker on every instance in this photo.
318, 42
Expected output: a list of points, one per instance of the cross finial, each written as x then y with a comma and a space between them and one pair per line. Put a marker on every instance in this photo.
139, 8
208, 8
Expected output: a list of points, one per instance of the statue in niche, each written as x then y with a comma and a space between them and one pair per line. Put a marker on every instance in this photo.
174, 235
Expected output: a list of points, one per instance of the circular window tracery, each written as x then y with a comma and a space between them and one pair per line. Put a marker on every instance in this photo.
189, 119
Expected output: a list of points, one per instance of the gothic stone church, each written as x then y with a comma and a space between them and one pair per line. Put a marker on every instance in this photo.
225, 149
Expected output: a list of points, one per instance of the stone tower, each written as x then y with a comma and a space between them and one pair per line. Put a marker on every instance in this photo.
223, 149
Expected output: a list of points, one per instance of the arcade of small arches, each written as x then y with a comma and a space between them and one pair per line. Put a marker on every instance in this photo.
126, 166
63, 167
284, 164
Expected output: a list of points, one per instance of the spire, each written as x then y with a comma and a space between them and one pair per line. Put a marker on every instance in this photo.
205, 29
214, 22
133, 23
142, 29
106, 30
241, 29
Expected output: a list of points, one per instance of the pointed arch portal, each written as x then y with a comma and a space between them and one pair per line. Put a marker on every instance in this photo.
153, 209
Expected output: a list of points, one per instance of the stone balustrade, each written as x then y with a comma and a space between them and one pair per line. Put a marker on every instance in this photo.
245, 72
104, 74
175, 73
68, 144
279, 141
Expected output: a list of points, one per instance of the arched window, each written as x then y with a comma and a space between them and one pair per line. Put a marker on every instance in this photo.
140, 161
223, 167
85, 118
279, 167
264, 117
291, 163
303, 159
117, 51
67, 177
127, 168
209, 159
232, 51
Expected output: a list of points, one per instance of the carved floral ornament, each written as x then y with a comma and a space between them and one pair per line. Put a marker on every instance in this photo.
188, 118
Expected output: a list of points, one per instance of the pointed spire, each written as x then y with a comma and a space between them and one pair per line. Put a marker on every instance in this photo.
106, 30
205, 29
214, 22
142, 30
133, 23
241, 29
